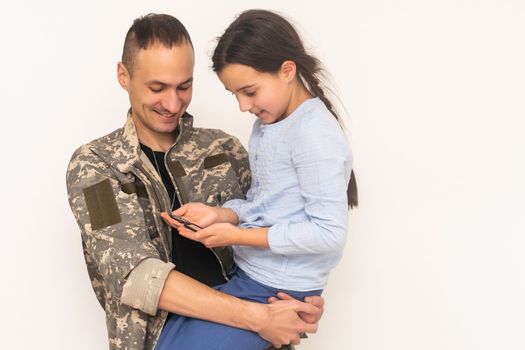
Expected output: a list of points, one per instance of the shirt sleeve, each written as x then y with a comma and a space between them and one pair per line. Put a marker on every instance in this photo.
323, 162
145, 283
114, 234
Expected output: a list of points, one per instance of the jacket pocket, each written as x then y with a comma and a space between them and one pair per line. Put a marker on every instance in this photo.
219, 180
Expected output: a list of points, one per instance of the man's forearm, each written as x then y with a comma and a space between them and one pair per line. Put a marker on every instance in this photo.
185, 296
278, 322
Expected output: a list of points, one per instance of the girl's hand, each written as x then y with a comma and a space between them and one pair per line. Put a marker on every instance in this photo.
197, 213
215, 235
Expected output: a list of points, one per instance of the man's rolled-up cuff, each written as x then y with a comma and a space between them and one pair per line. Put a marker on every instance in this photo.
145, 283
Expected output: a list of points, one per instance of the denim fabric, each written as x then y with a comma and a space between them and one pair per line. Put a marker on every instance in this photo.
189, 333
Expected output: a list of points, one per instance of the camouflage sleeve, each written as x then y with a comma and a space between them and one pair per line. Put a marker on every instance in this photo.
240, 162
144, 285
112, 225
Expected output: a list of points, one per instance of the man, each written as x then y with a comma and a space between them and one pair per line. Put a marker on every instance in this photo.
118, 185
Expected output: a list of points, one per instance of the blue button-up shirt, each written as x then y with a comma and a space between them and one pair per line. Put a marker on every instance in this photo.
300, 172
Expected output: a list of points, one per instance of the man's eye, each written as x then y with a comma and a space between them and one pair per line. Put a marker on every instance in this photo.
155, 89
184, 87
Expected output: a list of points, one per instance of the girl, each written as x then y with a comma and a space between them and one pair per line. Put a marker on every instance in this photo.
290, 231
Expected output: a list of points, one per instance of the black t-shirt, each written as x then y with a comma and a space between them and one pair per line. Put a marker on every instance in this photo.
190, 257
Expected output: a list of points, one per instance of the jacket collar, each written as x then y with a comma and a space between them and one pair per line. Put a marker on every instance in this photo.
121, 149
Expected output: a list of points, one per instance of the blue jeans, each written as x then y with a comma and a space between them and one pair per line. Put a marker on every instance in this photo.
182, 333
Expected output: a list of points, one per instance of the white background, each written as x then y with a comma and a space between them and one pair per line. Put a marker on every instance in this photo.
435, 97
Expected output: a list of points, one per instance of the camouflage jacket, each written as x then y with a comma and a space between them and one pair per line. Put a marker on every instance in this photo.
116, 197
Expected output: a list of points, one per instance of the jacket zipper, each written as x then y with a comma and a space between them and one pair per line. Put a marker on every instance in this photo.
177, 193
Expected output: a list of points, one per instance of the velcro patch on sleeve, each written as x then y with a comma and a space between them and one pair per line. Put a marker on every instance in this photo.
211, 161
102, 205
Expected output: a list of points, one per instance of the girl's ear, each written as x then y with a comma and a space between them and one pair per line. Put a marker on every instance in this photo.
288, 71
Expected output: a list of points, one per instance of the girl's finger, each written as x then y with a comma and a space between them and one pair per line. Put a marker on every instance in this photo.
187, 233
181, 211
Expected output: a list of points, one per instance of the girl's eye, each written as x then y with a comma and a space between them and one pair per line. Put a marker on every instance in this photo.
250, 93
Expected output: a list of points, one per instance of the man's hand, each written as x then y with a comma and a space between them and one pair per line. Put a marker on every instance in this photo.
280, 323
314, 300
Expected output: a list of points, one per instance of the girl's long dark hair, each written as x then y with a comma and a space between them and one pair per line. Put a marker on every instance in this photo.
263, 40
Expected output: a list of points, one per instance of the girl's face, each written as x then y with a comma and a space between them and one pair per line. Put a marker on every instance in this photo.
269, 96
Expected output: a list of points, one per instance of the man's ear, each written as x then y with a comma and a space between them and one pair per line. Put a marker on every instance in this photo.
123, 76
288, 71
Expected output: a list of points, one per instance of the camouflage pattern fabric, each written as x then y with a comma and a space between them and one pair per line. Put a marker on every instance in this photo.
116, 197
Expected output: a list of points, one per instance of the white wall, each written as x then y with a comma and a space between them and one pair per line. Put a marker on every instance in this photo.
434, 91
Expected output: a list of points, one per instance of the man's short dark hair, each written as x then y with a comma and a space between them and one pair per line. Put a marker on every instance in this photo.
150, 29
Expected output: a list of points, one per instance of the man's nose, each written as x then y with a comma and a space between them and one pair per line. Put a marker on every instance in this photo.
172, 102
